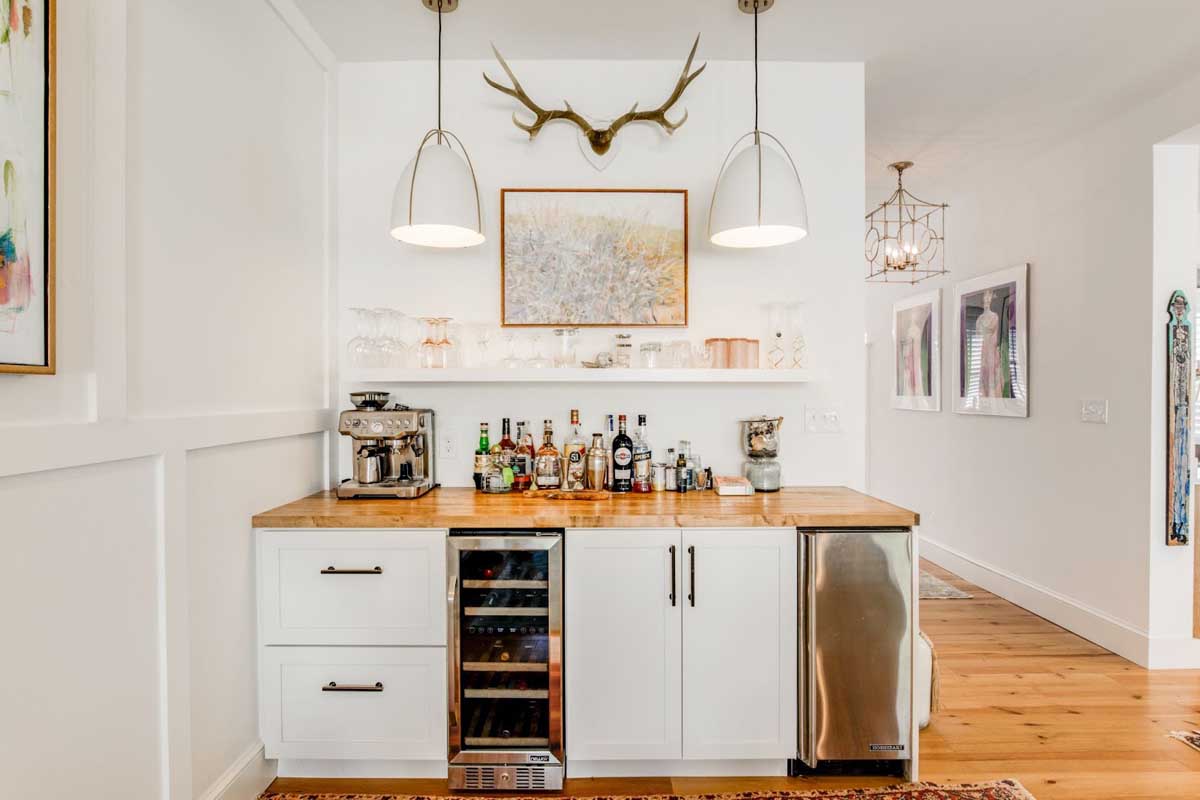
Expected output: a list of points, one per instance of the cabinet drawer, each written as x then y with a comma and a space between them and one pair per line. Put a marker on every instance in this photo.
353, 587
354, 702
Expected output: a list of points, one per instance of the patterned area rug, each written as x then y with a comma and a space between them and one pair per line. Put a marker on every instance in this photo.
993, 790
934, 588
1190, 738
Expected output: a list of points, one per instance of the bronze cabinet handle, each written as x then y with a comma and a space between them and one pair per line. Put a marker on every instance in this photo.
352, 687
692, 593
332, 570
671, 551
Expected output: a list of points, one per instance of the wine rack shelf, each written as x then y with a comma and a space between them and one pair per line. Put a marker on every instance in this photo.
502, 741
577, 375
506, 694
506, 611
505, 584
505, 666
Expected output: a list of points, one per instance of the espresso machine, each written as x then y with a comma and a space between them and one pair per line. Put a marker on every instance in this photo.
393, 448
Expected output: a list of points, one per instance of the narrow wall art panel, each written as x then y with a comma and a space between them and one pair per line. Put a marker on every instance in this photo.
917, 349
991, 345
27, 186
1179, 419
594, 257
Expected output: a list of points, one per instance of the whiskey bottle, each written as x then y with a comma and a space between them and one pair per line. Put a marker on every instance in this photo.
481, 455
641, 459
622, 458
522, 462
681, 476
547, 465
574, 450
506, 450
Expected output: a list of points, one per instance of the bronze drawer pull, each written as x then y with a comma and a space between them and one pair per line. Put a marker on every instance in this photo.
352, 687
332, 570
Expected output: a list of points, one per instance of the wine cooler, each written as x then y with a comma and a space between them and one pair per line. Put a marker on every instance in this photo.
505, 660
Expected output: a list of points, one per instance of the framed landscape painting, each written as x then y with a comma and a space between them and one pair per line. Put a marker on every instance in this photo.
917, 349
593, 257
991, 348
27, 184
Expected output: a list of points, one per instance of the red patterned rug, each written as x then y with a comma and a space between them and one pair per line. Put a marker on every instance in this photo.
993, 790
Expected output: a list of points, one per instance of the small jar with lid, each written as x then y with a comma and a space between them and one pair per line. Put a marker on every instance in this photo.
623, 351
651, 355
565, 343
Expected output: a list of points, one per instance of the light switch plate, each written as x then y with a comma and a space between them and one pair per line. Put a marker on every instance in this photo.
822, 420
1094, 411
446, 446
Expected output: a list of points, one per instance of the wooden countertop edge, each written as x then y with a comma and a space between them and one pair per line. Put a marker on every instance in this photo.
900, 519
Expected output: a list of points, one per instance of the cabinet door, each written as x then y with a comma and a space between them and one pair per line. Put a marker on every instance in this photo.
739, 643
622, 665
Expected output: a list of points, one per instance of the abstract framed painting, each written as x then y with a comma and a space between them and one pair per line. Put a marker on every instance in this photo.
27, 139
917, 352
991, 344
594, 257
1180, 372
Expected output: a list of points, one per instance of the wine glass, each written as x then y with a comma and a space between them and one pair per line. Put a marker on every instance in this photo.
428, 351
538, 360
511, 360
358, 349
800, 354
483, 338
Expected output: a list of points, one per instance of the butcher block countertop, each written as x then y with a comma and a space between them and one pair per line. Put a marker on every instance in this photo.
801, 507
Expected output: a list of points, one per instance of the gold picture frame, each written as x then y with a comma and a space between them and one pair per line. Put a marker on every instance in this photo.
663, 275
49, 207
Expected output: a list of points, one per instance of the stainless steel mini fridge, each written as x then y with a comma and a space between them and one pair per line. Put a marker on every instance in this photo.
856, 645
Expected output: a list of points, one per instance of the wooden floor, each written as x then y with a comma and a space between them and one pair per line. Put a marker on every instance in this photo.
1021, 698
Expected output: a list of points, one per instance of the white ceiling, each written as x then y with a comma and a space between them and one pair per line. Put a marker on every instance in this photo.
947, 80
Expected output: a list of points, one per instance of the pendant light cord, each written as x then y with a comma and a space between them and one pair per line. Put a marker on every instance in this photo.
439, 74
755, 66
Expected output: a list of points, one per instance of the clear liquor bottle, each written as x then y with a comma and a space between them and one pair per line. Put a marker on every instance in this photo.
574, 451
547, 465
609, 435
642, 464
622, 457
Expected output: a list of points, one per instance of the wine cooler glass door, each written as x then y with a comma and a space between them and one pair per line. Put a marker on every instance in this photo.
506, 648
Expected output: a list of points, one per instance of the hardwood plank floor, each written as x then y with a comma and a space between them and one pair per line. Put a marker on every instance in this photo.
1021, 698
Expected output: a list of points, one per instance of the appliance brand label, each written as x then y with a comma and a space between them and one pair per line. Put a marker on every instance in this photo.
887, 748
539, 758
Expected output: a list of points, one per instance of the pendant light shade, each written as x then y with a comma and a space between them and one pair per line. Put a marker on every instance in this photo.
436, 203
758, 200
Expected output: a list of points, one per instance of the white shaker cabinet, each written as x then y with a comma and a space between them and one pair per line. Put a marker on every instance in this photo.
623, 651
681, 644
739, 643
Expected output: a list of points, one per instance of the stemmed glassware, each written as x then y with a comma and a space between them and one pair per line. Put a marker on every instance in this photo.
800, 354
538, 360
436, 351
511, 359
358, 348
776, 319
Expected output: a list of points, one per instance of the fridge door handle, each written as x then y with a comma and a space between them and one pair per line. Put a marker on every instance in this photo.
452, 640
671, 553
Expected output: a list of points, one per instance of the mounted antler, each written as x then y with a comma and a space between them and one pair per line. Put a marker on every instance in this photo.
600, 139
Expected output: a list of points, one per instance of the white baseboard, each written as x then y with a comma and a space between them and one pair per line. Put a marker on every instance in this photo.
1092, 624
1174, 652
245, 779
680, 768
359, 768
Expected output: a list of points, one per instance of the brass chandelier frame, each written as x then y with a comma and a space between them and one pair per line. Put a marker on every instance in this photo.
906, 236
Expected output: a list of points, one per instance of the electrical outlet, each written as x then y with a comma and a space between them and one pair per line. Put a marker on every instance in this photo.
446, 449
822, 420
1094, 411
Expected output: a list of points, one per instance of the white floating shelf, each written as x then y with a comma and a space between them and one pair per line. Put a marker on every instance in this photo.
578, 375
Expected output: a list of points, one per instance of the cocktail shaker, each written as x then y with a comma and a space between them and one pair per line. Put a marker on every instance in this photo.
596, 463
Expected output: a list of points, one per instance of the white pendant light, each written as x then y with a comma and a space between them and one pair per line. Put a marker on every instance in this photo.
436, 203
758, 200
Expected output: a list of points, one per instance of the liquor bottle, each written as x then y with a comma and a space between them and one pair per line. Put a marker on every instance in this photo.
641, 458
609, 435
481, 455
622, 457
547, 465
597, 463
681, 477
670, 469
522, 464
506, 449
573, 456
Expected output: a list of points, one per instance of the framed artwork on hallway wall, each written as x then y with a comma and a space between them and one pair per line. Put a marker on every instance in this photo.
594, 257
27, 135
1180, 361
991, 344
917, 352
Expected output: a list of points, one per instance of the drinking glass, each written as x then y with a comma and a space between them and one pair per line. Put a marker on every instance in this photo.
394, 348
799, 345
565, 342
447, 349
702, 356
358, 348
483, 338
776, 321
511, 360
538, 360
428, 351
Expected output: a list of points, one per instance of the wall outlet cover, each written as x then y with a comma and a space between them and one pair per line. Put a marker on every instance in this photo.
1094, 411
446, 447
822, 420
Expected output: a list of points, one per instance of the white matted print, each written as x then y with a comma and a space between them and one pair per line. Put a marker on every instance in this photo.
917, 350
991, 344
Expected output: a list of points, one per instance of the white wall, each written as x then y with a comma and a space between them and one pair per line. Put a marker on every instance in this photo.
194, 285
1063, 517
385, 108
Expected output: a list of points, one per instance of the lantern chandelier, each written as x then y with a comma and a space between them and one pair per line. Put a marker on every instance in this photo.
905, 240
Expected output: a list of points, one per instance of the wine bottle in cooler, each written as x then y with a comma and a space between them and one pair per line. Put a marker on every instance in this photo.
622, 457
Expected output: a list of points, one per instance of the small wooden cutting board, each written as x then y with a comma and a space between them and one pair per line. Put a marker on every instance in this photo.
558, 494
